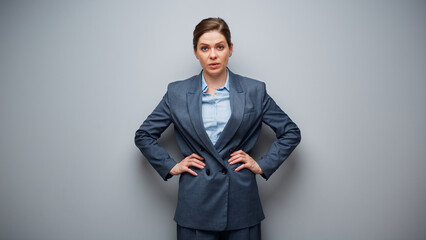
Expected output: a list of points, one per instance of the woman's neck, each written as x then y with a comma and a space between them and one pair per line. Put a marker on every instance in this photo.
215, 82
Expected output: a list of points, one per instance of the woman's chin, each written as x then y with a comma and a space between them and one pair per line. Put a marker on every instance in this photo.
214, 72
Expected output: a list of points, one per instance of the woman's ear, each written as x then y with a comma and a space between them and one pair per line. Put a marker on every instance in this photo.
195, 53
231, 48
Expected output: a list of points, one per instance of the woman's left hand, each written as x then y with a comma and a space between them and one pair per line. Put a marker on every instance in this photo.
247, 160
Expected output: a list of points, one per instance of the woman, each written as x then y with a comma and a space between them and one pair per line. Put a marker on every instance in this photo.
217, 117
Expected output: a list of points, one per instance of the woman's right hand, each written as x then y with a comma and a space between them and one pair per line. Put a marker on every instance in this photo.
192, 160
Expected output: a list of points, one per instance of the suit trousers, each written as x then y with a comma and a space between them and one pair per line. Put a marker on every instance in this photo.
249, 233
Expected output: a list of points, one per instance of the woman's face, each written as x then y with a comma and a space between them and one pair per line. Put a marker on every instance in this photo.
213, 53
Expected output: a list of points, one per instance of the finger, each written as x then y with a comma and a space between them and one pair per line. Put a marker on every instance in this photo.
232, 158
196, 165
237, 152
240, 152
191, 171
197, 161
235, 156
240, 167
237, 160
194, 155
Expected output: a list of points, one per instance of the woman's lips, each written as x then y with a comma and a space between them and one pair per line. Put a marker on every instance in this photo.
214, 65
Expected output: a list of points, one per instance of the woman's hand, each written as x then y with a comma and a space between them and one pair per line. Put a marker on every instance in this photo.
192, 160
248, 162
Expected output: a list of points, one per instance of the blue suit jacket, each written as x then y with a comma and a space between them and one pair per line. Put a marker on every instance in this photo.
219, 198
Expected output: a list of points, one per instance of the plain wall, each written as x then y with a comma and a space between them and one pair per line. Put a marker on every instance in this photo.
77, 78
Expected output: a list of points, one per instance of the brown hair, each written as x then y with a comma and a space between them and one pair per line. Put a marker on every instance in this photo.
211, 24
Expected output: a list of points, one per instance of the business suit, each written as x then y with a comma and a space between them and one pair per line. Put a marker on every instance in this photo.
218, 198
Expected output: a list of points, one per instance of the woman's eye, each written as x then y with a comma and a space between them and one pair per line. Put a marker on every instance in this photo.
220, 47
204, 48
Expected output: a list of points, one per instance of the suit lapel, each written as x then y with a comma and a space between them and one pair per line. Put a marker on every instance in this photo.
237, 99
193, 101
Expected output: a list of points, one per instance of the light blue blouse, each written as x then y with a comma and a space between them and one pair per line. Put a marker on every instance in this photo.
216, 111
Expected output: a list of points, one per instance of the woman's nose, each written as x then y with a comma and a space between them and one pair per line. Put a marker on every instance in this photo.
213, 53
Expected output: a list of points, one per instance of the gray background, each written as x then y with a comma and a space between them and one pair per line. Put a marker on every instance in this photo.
79, 77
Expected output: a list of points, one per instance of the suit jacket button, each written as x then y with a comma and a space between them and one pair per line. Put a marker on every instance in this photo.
208, 172
224, 171
201, 149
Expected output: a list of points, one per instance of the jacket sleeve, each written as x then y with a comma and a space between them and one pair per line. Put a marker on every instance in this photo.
286, 131
147, 135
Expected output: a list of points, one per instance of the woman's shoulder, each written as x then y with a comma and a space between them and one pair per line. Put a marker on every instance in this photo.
248, 82
184, 84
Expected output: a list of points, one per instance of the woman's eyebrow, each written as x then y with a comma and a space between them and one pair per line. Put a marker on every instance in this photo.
221, 42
